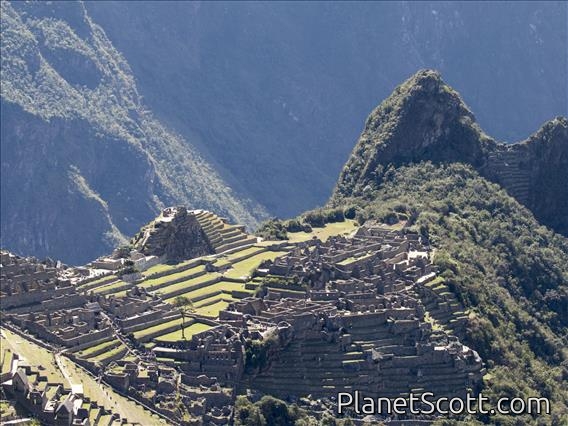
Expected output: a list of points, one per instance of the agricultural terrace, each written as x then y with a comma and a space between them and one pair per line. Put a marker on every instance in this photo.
330, 229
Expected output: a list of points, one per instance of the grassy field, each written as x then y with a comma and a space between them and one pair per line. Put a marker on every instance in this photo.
103, 357
35, 355
165, 291
247, 266
221, 286
354, 259
104, 395
100, 281
87, 352
166, 278
189, 331
116, 284
337, 228
212, 311
245, 252
161, 267
7, 357
147, 331
213, 299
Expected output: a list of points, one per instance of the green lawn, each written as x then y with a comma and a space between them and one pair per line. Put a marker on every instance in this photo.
116, 284
435, 282
212, 311
165, 291
354, 259
246, 267
105, 396
107, 354
99, 281
213, 299
85, 353
7, 357
221, 286
245, 252
35, 355
337, 228
189, 331
153, 282
146, 331
162, 267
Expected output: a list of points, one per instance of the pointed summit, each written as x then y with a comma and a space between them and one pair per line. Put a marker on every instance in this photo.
424, 119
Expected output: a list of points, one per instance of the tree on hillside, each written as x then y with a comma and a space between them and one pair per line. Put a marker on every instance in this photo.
185, 306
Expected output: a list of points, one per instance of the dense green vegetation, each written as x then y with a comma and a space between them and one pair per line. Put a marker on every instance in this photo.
275, 412
257, 353
509, 271
63, 81
276, 229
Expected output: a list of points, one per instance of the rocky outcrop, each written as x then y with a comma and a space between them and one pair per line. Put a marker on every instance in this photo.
426, 120
176, 235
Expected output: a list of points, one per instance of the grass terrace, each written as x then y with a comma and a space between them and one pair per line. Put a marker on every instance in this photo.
157, 328
189, 331
88, 352
7, 357
109, 287
35, 355
105, 356
212, 311
163, 267
165, 291
107, 397
350, 260
99, 281
219, 287
246, 267
213, 299
330, 229
245, 252
154, 282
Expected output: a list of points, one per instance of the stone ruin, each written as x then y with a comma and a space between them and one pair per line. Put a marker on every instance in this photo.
53, 403
359, 324
179, 233
29, 285
365, 313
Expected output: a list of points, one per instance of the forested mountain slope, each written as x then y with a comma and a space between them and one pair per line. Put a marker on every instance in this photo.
274, 92
84, 163
509, 271
425, 119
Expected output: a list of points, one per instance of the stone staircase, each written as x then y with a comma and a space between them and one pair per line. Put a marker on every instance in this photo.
222, 236
512, 172
442, 306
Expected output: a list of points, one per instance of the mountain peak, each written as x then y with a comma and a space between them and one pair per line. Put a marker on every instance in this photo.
424, 119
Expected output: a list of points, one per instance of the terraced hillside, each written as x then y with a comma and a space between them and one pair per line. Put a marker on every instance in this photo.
142, 315
178, 233
206, 283
54, 376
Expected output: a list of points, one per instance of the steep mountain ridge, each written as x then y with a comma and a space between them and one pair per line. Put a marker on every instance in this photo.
276, 90
81, 154
426, 120
508, 271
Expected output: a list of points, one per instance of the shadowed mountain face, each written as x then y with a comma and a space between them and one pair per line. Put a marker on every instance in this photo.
84, 163
274, 93
111, 110
426, 120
